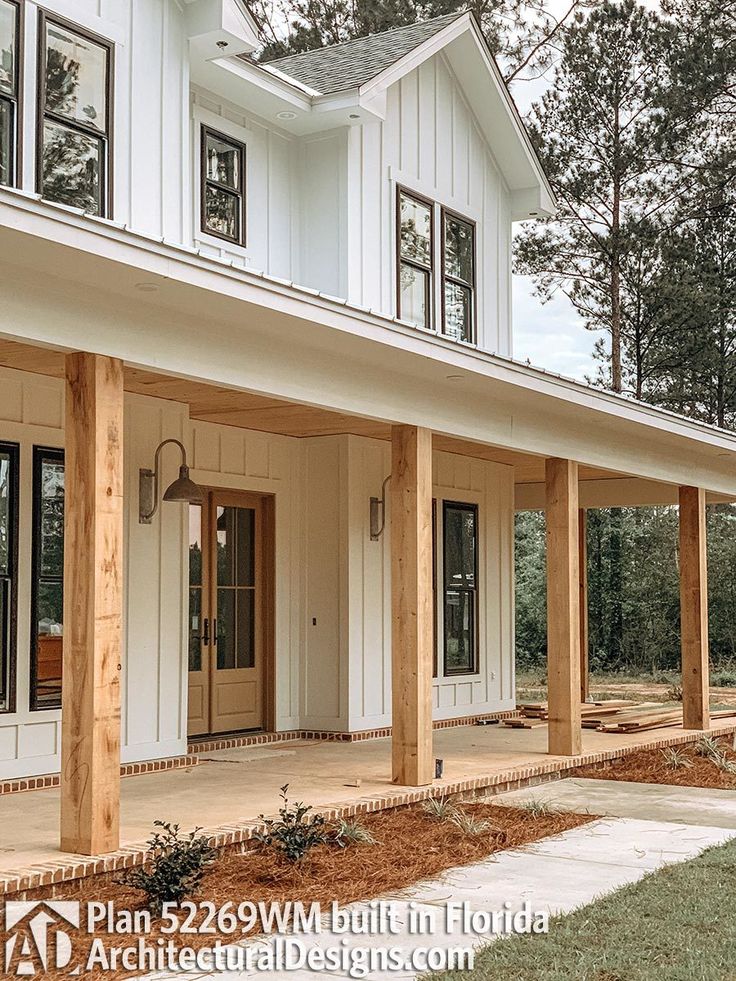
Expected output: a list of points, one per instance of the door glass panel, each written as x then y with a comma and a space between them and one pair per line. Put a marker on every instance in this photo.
226, 629
195, 588
48, 591
246, 654
236, 571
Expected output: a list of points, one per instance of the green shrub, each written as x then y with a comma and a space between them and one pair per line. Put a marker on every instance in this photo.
723, 679
294, 833
175, 868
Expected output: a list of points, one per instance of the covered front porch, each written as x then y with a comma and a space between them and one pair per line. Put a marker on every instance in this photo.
320, 468
227, 790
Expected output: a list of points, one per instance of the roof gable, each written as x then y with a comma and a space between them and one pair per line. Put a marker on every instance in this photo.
354, 63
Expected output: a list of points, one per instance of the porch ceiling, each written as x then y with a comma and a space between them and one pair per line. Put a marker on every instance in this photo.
229, 407
245, 410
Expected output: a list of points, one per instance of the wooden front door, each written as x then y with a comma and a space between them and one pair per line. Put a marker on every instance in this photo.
228, 571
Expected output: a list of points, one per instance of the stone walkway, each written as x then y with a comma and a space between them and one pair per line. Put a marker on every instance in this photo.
557, 875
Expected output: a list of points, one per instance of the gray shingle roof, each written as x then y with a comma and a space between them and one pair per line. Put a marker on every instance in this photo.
353, 63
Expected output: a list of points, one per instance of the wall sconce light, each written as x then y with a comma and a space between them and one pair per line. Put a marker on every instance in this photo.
183, 488
378, 512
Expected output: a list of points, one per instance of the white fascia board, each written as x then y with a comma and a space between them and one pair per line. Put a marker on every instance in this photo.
269, 82
524, 172
350, 359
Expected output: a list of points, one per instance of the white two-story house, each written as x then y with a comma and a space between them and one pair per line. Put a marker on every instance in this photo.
295, 276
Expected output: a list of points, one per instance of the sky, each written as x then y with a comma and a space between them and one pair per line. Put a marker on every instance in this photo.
548, 335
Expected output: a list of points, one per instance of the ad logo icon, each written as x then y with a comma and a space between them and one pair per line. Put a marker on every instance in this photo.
37, 942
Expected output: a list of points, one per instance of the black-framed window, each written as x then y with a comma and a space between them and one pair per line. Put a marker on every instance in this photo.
458, 276
47, 587
460, 587
223, 187
9, 489
74, 117
415, 260
10, 61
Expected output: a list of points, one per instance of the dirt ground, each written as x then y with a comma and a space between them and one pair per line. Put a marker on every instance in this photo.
651, 766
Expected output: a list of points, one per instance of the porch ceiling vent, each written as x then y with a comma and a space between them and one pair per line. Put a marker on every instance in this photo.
183, 489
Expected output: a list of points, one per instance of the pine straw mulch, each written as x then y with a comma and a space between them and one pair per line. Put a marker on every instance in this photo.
411, 846
649, 766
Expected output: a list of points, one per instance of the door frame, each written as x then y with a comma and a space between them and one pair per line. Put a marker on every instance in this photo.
266, 503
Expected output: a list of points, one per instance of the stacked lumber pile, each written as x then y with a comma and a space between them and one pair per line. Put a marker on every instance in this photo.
534, 714
612, 715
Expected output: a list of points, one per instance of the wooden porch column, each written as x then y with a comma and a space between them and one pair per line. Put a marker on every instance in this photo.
411, 605
694, 609
93, 590
563, 608
583, 602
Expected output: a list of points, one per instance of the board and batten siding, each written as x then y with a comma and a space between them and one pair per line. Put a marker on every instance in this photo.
153, 719
431, 143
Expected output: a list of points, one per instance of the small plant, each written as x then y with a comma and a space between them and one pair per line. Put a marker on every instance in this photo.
470, 825
675, 759
708, 747
352, 833
439, 808
723, 679
175, 868
538, 808
674, 693
294, 833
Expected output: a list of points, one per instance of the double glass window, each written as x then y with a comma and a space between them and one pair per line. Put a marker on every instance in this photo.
223, 187
417, 220
74, 117
9, 90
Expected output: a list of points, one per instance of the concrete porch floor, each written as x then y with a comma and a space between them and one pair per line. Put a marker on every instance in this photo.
233, 786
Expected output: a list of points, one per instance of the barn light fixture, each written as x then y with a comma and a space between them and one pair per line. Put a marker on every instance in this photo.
183, 489
378, 512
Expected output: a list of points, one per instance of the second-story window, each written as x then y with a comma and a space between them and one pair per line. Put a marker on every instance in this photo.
223, 187
458, 276
415, 259
75, 89
9, 77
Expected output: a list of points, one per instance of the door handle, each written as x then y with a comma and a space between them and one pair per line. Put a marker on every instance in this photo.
214, 633
206, 634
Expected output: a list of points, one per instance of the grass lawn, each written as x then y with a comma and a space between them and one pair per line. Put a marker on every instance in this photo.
677, 924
